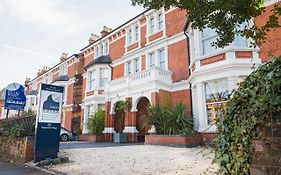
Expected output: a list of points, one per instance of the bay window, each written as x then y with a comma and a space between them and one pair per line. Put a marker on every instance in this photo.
91, 80
103, 77
216, 93
208, 37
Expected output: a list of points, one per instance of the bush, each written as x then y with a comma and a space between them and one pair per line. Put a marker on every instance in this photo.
169, 122
96, 122
78, 131
257, 99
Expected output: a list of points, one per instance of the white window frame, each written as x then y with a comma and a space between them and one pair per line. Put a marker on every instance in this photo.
91, 79
151, 25
162, 50
160, 21
137, 65
151, 55
63, 70
208, 40
136, 32
102, 80
128, 67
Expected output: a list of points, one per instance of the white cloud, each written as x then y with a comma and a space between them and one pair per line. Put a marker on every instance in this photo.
43, 14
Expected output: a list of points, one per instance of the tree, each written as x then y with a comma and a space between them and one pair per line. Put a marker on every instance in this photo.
225, 17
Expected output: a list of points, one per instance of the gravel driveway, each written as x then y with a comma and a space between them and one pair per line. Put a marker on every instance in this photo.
136, 159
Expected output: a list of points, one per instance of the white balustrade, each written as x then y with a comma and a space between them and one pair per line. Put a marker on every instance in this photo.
154, 74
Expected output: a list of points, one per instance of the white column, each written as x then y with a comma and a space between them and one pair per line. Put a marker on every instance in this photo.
202, 113
232, 83
85, 121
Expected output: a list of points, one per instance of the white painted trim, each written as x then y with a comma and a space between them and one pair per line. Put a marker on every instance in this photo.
108, 130
130, 129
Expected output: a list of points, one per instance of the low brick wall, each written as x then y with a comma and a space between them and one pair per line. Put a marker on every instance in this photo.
20, 149
174, 140
267, 156
92, 138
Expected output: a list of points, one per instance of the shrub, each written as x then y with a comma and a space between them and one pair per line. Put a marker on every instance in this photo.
170, 122
96, 122
257, 99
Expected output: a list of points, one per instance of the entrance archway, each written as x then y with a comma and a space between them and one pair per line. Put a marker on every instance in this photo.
142, 107
119, 120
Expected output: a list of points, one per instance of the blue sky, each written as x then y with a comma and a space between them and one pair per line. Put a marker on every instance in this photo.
34, 33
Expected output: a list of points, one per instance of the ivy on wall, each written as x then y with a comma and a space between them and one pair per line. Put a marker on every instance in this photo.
256, 100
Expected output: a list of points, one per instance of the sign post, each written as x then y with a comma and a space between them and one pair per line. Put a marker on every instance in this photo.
48, 119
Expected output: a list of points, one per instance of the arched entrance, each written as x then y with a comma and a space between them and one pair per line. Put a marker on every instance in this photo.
142, 107
119, 119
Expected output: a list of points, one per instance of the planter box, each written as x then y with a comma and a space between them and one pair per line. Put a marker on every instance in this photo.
92, 138
120, 138
174, 140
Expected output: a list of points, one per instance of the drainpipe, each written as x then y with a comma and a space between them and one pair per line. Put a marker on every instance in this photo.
111, 71
189, 72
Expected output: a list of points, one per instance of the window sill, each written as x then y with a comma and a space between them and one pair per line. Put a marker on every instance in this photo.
135, 42
158, 31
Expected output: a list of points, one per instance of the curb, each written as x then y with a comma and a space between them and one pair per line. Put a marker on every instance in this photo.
53, 172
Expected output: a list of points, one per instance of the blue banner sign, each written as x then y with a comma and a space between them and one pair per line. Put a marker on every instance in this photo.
47, 136
15, 98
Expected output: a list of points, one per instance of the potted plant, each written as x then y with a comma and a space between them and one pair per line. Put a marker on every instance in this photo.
95, 126
121, 107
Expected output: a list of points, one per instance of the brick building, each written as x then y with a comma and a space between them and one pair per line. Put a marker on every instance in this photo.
144, 61
67, 73
153, 59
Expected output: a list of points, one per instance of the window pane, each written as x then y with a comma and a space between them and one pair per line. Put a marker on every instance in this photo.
136, 33
129, 69
162, 59
137, 64
160, 21
217, 94
151, 59
151, 23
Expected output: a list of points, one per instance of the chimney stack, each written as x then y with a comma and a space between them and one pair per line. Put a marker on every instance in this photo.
26, 82
93, 38
105, 31
63, 57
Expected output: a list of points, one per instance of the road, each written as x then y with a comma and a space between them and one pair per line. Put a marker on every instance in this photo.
81, 144
7, 168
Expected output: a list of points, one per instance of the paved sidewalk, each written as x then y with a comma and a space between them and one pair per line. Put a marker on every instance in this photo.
8, 168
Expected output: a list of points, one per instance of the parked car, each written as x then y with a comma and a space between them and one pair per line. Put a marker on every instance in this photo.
65, 135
